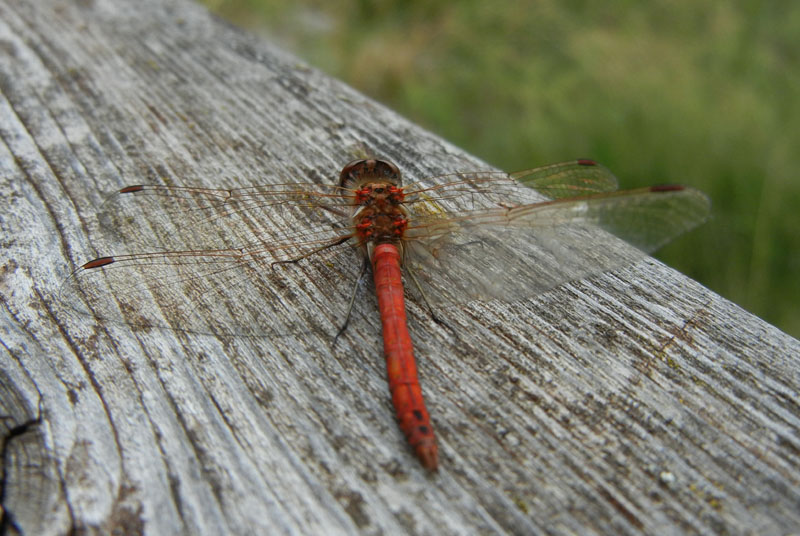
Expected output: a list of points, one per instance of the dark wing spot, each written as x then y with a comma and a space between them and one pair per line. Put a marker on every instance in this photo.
97, 263
666, 188
129, 189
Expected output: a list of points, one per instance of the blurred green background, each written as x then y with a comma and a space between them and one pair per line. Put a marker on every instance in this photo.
701, 93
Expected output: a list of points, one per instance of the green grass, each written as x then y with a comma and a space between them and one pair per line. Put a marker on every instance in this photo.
701, 93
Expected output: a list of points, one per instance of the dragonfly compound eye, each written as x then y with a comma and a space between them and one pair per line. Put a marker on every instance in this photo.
360, 171
389, 171
350, 173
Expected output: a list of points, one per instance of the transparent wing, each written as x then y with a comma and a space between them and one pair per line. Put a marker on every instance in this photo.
209, 261
568, 179
555, 181
478, 235
173, 217
518, 251
232, 291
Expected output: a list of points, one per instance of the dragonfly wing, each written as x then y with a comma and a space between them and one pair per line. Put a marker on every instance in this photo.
507, 263
647, 218
568, 179
522, 251
169, 218
230, 292
469, 190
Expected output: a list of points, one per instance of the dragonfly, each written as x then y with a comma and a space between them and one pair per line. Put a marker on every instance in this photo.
237, 261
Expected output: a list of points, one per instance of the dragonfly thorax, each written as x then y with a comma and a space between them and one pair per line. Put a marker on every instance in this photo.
381, 218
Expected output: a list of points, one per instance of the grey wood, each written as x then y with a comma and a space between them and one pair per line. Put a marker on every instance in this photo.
634, 401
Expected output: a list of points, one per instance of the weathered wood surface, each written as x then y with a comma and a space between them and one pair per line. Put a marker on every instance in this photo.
634, 401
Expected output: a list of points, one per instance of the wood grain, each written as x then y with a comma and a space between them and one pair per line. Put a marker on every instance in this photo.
631, 402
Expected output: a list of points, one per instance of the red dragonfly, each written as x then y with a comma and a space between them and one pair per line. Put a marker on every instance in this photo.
459, 237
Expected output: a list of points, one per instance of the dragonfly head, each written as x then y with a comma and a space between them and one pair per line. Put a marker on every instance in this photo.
358, 172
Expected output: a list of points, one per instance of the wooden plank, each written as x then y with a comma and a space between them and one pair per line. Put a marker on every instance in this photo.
635, 401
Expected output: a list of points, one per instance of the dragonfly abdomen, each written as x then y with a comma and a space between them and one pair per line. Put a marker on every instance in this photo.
401, 368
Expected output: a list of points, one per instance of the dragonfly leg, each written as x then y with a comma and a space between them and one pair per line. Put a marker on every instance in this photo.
294, 260
360, 280
335, 211
431, 310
